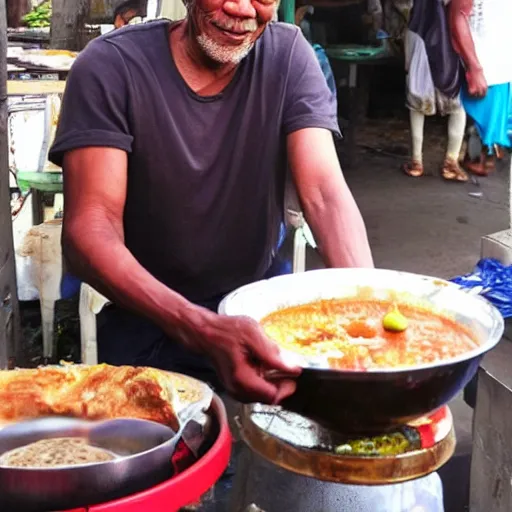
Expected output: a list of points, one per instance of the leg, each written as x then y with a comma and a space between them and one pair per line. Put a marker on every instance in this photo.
456, 127
414, 168
88, 334
484, 164
491, 116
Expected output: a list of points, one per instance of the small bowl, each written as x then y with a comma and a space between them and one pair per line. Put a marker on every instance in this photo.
143, 449
375, 400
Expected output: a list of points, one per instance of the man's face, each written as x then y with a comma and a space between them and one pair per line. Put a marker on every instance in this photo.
226, 30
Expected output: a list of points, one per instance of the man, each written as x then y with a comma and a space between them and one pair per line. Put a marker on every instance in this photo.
481, 33
128, 11
175, 139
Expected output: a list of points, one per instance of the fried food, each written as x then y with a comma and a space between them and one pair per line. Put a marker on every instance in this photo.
96, 392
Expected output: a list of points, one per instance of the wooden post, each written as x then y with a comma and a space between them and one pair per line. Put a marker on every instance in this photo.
68, 24
16, 9
9, 311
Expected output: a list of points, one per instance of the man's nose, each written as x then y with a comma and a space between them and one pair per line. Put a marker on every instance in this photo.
240, 8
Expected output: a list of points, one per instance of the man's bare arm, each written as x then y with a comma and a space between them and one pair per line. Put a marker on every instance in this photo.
93, 240
328, 204
95, 182
459, 12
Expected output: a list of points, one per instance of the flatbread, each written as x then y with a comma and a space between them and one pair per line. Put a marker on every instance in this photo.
50, 453
97, 392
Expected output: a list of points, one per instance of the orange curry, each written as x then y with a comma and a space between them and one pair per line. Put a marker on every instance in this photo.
352, 335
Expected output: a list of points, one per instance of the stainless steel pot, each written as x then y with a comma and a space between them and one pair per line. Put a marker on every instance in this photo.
144, 452
379, 399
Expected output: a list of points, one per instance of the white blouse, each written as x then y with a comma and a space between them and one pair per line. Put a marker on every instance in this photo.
490, 23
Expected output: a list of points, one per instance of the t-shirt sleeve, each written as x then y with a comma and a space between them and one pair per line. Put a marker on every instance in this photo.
309, 103
95, 103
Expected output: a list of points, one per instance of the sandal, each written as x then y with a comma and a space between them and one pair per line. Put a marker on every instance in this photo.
489, 157
479, 167
490, 163
453, 172
414, 169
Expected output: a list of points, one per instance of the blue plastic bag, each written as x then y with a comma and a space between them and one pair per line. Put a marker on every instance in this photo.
495, 281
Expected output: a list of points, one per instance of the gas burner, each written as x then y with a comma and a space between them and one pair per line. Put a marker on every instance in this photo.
302, 446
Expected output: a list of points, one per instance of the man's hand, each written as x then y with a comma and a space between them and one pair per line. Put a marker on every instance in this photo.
477, 84
243, 357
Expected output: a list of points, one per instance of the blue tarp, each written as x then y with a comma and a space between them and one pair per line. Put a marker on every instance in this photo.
495, 281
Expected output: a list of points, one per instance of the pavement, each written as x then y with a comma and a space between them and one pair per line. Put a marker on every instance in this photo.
426, 226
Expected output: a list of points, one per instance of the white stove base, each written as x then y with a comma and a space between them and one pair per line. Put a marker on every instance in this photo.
272, 489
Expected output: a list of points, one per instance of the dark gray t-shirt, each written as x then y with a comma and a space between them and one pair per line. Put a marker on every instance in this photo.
205, 174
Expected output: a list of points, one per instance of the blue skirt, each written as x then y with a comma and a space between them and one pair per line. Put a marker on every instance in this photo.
492, 114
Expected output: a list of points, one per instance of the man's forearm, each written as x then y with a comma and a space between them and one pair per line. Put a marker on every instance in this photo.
102, 260
339, 232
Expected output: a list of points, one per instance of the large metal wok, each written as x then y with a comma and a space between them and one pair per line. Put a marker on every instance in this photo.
374, 400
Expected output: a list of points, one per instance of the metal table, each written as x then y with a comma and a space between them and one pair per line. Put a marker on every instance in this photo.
360, 70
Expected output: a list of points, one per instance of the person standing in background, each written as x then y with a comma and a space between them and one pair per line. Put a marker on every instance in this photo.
128, 13
481, 33
433, 85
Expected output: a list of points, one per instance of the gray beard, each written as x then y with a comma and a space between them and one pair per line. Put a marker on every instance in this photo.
223, 54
